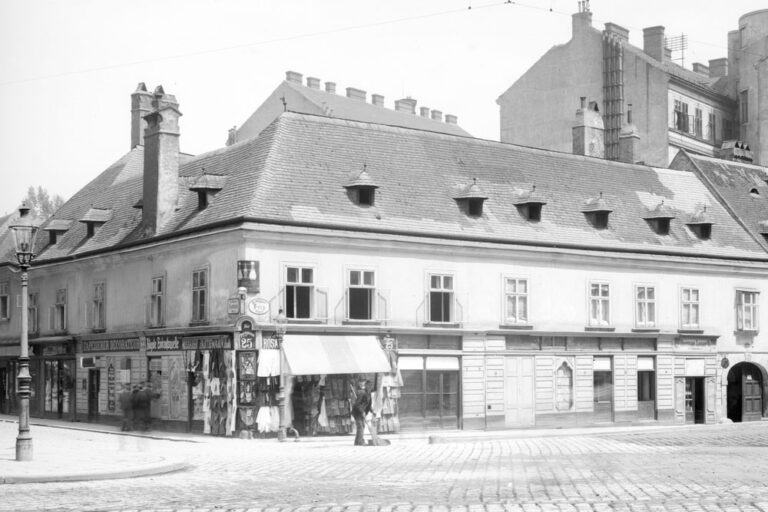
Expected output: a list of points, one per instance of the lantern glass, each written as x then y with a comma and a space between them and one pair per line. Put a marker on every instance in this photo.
24, 234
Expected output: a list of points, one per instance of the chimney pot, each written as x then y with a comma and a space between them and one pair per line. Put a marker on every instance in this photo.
588, 131
437, 115
313, 83
718, 67
451, 119
406, 105
141, 105
377, 99
617, 31
294, 77
424, 111
701, 69
356, 94
330, 87
653, 42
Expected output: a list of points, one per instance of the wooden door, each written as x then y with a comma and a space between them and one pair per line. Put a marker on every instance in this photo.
519, 398
93, 393
752, 403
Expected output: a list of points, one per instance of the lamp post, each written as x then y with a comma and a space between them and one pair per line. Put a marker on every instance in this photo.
281, 325
24, 234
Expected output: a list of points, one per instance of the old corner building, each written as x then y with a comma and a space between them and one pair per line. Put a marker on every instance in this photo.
477, 284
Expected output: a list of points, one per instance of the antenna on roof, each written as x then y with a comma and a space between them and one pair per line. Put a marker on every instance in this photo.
677, 44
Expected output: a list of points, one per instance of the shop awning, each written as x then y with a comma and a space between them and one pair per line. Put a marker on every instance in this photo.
316, 355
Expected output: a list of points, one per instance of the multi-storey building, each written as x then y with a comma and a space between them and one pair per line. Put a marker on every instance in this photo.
515, 286
672, 107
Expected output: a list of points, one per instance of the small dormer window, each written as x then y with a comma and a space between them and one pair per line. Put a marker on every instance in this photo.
471, 198
361, 189
701, 224
207, 186
529, 203
762, 227
56, 228
94, 219
596, 211
659, 218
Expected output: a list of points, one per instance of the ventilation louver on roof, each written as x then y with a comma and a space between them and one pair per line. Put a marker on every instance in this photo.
473, 197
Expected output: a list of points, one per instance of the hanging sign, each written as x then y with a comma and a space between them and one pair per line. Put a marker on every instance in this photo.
111, 388
258, 306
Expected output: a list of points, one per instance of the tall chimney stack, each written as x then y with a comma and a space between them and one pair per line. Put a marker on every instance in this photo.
161, 162
653, 42
141, 105
629, 140
588, 131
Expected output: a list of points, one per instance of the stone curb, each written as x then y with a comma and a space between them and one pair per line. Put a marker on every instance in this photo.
148, 470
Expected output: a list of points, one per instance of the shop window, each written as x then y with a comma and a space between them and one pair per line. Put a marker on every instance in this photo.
299, 287
97, 311
747, 310
200, 295
360, 295
59, 311
5, 301
430, 393
33, 320
689, 308
599, 304
645, 306
564, 387
515, 300
646, 387
440, 298
157, 302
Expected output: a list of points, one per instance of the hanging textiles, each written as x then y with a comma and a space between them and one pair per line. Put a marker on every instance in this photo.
269, 363
264, 419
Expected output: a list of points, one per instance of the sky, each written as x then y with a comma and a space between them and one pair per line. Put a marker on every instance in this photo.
67, 68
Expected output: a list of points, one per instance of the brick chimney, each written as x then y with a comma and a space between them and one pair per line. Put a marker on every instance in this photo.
617, 31
437, 115
424, 112
407, 105
581, 21
653, 42
313, 83
141, 105
161, 162
451, 119
588, 131
356, 94
701, 69
293, 77
330, 87
718, 67
377, 99
629, 140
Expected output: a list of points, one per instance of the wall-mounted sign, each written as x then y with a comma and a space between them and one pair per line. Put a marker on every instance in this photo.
248, 275
113, 345
724, 362
233, 306
203, 342
111, 388
258, 306
247, 341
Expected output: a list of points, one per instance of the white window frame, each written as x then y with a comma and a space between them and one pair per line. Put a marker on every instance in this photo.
441, 289
5, 300
312, 285
745, 310
644, 306
60, 311
99, 306
157, 302
372, 290
602, 302
198, 291
508, 319
33, 311
689, 304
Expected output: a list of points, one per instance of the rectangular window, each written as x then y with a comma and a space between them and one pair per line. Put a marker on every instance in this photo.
599, 304
99, 313
680, 120
697, 120
32, 316
440, 298
200, 295
299, 287
60, 311
515, 300
744, 107
360, 295
5, 301
746, 310
645, 306
727, 129
157, 302
711, 129
689, 308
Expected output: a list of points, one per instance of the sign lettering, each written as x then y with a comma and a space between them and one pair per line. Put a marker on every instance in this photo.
114, 345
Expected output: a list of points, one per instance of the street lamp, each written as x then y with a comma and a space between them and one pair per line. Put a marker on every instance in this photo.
24, 234
281, 325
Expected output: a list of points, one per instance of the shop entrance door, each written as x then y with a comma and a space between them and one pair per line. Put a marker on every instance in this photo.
93, 394
518, 392
745, 392
752, 403
694, 399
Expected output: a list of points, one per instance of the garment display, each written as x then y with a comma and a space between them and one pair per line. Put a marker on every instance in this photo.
269, 363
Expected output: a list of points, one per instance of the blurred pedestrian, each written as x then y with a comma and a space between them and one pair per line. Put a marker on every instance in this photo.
361, 407
126, 405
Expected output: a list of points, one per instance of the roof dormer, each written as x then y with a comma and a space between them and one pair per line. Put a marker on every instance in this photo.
659, 218
362, 189
207, 186
701, 223
55, 228
95, 218
529, 203
596, 210
471, 199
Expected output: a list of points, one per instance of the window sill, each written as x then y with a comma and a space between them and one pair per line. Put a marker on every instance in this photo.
305, 321
750, 332
646, 329
199, 323
690, 331
160, 326
599, 329
361, 322
98, 330
445, 325
519, 327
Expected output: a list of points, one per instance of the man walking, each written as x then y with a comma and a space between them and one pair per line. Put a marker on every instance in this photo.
126, 404
361, 407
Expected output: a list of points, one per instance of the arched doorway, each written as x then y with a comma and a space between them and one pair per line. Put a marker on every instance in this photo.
747, 383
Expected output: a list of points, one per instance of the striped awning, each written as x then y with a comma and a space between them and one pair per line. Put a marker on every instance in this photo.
318, 355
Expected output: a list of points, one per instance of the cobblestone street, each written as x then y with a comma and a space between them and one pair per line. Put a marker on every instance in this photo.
709, 468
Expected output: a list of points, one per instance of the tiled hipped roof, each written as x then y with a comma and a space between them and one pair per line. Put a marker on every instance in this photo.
297, 169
